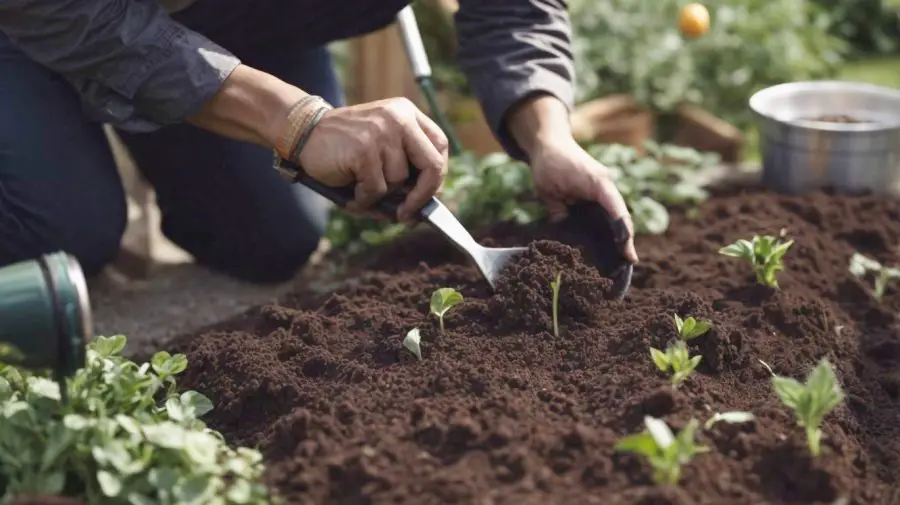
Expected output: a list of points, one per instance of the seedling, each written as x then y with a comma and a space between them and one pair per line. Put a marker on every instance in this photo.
678, 359
413, 343
690, 328
861, 265
764, 253
811, 401
554, 285
666, 452
442, 300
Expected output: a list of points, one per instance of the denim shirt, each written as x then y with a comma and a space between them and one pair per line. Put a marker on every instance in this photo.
138, 66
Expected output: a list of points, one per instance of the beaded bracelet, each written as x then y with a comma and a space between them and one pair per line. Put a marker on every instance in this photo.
302, 119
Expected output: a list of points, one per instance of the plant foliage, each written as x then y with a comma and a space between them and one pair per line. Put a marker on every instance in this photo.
689, 327
125, 435
666, 452
861, 266
764, 253
633, 46
811, 401
442, 300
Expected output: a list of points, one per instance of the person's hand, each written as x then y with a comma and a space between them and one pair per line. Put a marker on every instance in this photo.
372, 145
564, 173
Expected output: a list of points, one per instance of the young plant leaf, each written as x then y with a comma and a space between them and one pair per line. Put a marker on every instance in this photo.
555, 285
861, 265
735, 417
660, 359
764, 253
667, 453
413, 343
442, 300
811, 401
690, 328
676, 358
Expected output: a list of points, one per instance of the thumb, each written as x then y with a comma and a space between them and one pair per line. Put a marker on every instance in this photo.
556, 210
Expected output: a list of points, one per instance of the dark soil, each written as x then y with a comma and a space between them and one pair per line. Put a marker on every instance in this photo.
839, 118
501, 412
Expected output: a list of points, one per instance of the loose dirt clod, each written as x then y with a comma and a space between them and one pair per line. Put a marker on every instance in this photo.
500, 411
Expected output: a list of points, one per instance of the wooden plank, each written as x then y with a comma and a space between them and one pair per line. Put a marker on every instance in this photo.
379, 68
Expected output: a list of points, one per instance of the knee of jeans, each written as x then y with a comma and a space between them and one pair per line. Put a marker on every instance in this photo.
280, 262
99, 242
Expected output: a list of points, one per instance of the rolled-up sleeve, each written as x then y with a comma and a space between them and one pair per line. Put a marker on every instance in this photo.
512, 49
133, 66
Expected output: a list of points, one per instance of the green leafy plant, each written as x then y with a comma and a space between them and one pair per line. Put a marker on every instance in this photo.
690, 328
555, 285
811, 401
482, 191
765, 253
442, 300
662, 176
860, 266
676, 359
666, 452
633, 46
125, 435
413, 343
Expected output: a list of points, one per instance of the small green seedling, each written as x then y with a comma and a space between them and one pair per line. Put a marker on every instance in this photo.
555, 285
413, 343
442, 300
861, 265
690, 328
678, 359
666, 452
811, 401
765, 253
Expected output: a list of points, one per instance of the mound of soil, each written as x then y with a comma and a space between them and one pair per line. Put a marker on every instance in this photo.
500, 411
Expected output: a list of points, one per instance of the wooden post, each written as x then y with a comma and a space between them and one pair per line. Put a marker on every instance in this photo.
379, 68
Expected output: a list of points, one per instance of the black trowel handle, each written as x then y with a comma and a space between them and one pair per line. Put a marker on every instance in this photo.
346, 194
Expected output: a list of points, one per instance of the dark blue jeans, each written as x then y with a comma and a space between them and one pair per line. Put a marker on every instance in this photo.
220, 199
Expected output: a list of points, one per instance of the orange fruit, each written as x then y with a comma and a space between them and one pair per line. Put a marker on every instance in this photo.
693, 21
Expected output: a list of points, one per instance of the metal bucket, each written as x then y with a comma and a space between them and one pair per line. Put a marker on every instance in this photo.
45, 314
806, 144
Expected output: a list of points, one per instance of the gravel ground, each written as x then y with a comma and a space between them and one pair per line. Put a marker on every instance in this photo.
178, 299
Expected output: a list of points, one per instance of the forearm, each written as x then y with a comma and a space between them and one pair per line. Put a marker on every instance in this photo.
538, 121
133, 66
512, 50
251, 106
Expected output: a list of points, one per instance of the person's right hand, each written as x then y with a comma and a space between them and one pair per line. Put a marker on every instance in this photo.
372, 146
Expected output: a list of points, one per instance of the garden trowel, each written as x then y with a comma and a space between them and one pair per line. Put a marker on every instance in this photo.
489, 260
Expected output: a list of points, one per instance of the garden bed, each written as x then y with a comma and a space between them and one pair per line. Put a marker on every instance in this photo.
501, 411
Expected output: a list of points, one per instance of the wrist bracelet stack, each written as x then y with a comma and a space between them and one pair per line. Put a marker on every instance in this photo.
303, 117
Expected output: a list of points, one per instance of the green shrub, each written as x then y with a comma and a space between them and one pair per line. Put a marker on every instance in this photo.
125, 435
633, 46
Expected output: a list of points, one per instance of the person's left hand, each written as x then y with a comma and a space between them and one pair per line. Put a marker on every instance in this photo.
564, 173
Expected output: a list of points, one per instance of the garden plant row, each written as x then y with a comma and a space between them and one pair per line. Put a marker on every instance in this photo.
753, 361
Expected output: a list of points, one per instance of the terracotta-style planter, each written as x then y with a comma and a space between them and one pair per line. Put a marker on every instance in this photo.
612, 119
471, 127
698, 129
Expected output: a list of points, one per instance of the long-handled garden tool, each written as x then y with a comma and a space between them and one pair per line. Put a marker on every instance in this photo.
421, 68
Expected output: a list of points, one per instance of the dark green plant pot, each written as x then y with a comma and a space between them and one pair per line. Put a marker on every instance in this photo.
45, 314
